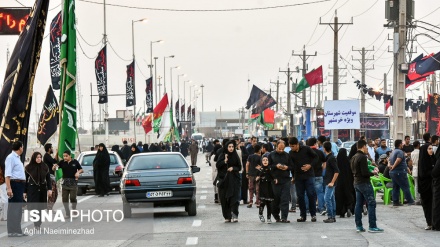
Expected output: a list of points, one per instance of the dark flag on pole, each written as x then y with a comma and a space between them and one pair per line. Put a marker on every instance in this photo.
101, 75
49, 118
188, 114
149, 92
130, 89
428, 64
265, 102
256, 95
193, 116
16, 94
182, 113
177, 111
55, 44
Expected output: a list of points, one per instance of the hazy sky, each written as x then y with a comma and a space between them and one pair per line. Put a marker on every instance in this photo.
221, 50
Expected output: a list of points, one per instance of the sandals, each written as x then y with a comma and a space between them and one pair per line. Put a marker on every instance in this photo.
301, 219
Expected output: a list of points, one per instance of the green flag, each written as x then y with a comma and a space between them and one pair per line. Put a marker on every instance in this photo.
303, 84
67, 138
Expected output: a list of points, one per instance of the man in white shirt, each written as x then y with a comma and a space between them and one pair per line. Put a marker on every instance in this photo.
415, 161
371, 151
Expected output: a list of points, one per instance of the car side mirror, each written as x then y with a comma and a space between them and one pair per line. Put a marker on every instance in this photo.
195, 169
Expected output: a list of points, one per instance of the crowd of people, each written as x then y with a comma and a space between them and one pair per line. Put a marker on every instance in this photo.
314, 175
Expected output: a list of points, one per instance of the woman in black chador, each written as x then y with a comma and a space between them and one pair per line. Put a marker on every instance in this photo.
344, 192
38, 184
101, 168
436, 196
265, 178
229, 185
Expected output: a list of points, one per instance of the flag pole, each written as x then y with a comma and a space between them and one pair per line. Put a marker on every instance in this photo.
61, 110
8, 104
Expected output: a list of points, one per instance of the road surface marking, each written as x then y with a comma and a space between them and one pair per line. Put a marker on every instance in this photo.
204, 187
197, 223
202, 197
201, 206
192, 240
204, 191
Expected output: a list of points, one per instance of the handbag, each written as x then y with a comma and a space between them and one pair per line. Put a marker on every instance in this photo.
221, 182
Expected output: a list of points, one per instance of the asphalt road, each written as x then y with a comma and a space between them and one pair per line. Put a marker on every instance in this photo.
172, 227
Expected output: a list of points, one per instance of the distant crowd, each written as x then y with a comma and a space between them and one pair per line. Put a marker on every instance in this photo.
321, 178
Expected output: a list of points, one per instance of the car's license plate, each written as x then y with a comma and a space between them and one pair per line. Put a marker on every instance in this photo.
154, 194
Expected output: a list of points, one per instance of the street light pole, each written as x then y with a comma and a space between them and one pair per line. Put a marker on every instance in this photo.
134, 76
164, 73
202, 86
155, 79
171, 80
151, 66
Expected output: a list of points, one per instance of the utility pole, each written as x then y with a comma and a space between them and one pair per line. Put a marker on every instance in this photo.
278, 91
363, 70
289, 73
335, 26
399, 99
304, 58
202, 86
433, 84
385, 91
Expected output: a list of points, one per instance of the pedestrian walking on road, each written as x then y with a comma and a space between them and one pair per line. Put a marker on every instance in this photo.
344, 193
50, 161
303, 157
265, 178
71, 171
281, 165
228, 166
101, 169
330, 178
364, 190
252, 165
426, 163
126, 151
194, 150
15, 185
38, 185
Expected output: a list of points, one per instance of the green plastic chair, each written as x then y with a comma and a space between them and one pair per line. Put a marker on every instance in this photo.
411, 186
377, 184
386, 191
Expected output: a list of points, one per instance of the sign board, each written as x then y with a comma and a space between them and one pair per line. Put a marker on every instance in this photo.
341, 114
375, 123
13, 20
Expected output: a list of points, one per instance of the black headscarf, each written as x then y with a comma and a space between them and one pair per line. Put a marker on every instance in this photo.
37, 171
102, 158
145, 148
233, 157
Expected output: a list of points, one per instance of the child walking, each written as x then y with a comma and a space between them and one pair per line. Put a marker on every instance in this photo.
265, 178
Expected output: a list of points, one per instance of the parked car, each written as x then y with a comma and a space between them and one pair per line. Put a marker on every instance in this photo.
164, 179
346, 145
86, 181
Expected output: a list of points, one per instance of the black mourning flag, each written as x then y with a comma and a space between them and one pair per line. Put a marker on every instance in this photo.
101, 75
256, 95
16, 94
182, 113
149, 92
55, 45
265, 102
177, 111
49, 118
188, 113
130, 89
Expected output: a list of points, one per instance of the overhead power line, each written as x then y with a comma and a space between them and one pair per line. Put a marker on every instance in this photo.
208, 10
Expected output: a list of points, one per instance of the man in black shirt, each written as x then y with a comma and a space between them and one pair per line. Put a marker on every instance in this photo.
407, 148
303, 157
252, 167
125, 150
331, 174
317, 170
48, 159
281, 165
363, 188
71, 170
